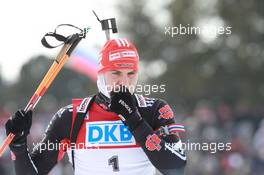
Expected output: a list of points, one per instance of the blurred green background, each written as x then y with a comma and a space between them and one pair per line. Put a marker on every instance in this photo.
214, 83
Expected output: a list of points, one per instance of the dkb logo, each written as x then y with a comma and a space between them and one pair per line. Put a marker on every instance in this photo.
110, 133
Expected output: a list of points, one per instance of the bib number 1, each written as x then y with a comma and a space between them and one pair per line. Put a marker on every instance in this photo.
114, 162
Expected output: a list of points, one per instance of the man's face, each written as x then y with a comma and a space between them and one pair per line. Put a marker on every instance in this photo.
124, 77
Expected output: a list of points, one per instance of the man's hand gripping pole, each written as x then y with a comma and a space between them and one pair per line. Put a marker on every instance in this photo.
70, 42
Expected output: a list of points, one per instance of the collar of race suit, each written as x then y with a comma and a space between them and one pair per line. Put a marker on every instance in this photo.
104, 101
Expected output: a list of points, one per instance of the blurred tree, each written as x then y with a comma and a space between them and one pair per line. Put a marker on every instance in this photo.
225, 68
67, 85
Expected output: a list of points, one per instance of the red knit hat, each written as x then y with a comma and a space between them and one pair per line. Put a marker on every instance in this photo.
118, 54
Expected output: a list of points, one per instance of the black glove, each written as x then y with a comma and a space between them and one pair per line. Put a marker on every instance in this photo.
123, 103
19, 124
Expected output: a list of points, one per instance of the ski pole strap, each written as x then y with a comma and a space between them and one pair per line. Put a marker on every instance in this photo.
55, 35
63, 39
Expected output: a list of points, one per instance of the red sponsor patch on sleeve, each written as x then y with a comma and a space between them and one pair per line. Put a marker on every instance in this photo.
166, 112
153, 143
